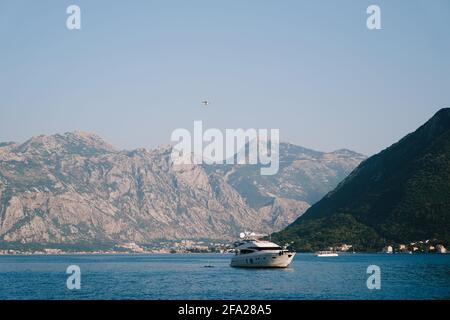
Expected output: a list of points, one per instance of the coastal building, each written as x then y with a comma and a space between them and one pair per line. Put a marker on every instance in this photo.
441, 249
133, 247
388, 249
344, 247
52, 251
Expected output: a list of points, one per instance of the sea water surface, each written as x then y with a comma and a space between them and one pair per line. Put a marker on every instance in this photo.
180, 277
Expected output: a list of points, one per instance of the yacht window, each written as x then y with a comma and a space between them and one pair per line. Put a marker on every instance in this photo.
265, 248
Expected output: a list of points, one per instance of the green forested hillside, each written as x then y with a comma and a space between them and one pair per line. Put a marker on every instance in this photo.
400, 195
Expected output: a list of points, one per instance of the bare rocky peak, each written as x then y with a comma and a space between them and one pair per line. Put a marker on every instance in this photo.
348, 153
77, 142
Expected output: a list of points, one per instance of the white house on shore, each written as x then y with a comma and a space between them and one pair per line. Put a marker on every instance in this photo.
388, 249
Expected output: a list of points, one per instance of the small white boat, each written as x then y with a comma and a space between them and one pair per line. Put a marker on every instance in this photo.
327, 254
254, 253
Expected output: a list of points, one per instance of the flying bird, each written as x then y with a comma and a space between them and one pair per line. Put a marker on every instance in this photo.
205, 103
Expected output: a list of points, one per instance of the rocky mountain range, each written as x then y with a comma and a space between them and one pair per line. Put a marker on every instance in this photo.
76, 188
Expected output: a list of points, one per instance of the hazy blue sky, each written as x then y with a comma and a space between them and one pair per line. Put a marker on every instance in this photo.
139, 69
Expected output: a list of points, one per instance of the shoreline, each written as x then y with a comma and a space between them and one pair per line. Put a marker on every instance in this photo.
196, 254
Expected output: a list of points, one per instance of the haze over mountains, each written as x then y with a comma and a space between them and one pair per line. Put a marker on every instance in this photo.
75, 187
400, 195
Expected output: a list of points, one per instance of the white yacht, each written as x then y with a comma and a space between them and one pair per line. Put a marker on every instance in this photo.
254, 253
327, 254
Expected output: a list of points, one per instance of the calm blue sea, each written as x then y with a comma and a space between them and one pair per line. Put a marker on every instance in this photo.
184, 277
